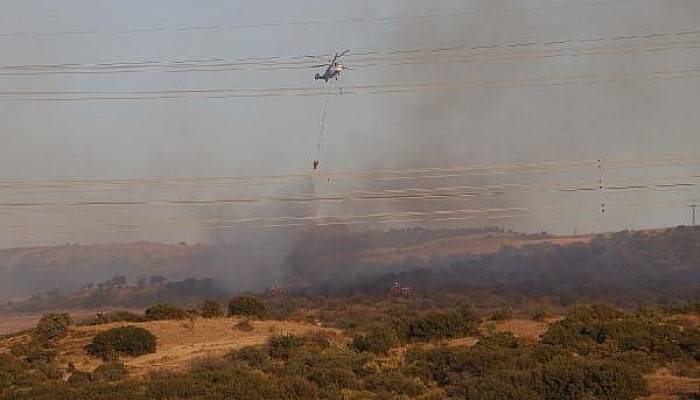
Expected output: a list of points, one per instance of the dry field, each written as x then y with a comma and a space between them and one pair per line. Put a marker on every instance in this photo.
178, 346
664, 386
11, 323
525, 328
459, 245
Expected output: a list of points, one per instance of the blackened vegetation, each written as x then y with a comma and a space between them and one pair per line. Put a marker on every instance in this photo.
624, 268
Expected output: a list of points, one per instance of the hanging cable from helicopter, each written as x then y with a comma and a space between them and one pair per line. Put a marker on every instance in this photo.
333, 70
317, 159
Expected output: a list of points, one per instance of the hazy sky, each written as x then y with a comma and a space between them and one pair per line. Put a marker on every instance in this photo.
231, 137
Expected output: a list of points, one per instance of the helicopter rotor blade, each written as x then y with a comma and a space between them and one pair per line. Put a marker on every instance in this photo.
343, 53
318, 66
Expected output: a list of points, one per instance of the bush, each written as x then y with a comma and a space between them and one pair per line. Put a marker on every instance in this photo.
379, 341
164, 311
297, 388
540, 312
211, 309
396, 382
110, 371
115, 316
440, 325
502, 314
615, 381
53, 326
247, 306
282, 345
35, 351
129, 340
255, 356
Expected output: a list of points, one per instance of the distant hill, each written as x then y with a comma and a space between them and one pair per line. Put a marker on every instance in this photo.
24, 271
657, 262
626, 268
27, 271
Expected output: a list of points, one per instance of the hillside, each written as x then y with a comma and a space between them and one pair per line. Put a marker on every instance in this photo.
186, 353
623, 267
28, 271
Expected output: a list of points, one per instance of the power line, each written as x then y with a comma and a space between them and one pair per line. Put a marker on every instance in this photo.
376, 89
356, 196
375, 58
82, 31
513, 168
392, 218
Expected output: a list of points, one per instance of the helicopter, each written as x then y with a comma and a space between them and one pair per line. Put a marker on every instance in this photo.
333, 68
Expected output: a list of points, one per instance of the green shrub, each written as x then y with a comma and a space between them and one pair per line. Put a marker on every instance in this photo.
280, 346
379, 341
211, 309
615, 381
163, 311
174, 386
129, 340
297, 388
319, 339
395, 382
53, 326
502, 314
541, 311
247, 306
439, 325
498, 387
35, 351
689, 342
255, 356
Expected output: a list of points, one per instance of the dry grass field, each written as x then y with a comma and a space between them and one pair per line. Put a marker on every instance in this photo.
178, 345
12, 323
459, 245
665, 386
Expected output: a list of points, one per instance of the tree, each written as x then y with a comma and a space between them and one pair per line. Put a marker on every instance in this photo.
211, 309
163, 311
53, 326
129, 340
248, 306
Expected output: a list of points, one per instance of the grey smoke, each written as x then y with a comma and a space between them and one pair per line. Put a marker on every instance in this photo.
197, 137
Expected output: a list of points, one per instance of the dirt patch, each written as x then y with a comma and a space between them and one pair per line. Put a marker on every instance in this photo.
178, 346
687, 321
16, 323
525, 328
663, 385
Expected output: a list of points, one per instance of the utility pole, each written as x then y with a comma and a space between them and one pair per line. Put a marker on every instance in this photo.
693, 206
